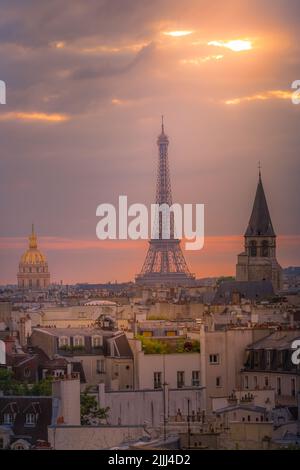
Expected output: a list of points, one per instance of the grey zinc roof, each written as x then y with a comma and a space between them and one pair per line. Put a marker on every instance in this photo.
123, 346
74, 331
279, 340
251, 290
260, 223
227, 409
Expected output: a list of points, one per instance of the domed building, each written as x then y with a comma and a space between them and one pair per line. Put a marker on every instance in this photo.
33, 267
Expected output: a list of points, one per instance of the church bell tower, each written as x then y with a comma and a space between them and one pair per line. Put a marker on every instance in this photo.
258, 262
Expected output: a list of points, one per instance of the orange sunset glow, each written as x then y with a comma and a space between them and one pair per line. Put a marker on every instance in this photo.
85, 95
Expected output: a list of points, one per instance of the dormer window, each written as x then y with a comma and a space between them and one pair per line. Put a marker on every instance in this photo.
268, 359
78, 341
8, 418
30, 419
63, 341
280, 358
96, 341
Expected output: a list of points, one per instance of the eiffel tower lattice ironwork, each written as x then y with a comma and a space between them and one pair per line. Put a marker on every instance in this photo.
164, 263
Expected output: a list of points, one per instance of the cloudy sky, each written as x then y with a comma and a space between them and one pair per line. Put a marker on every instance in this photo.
87, 82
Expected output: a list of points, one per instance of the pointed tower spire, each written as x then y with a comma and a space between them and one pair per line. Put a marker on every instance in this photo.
32, 238
260, 223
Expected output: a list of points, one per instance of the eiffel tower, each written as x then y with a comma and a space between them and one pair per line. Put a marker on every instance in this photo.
164, 263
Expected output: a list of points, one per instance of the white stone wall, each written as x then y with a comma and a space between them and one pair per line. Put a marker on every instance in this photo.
148, 406
91, 437
168, 365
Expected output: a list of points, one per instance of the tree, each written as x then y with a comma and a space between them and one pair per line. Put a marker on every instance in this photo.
91, 413
43, 387
10, 386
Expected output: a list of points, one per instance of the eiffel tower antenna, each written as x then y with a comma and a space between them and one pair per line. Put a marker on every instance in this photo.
164, 263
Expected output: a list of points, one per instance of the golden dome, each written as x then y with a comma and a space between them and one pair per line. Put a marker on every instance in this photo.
33, 255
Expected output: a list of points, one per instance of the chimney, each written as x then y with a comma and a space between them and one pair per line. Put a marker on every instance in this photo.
101, 395
9, 345
69, 370
67, 394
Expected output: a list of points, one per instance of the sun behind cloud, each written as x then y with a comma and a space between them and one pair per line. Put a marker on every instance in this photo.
236, 45
178, 34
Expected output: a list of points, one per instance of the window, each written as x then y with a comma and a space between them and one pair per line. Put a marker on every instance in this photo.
19, 446
266, 381
30, 419
246, 381
278, 385
268, 359
214, 359
256, 358
26, 372
255, 382
293, 387
195, 378
147, 334
8, 418
218, 382
100, 366
180, 379
253, 248
78, 341
157, 380
265, 249
96, 341
63, 341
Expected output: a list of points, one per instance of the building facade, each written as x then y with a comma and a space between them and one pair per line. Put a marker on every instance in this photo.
269, 365
105, 356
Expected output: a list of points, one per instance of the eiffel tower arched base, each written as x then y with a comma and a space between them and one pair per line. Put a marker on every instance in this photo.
165, 265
